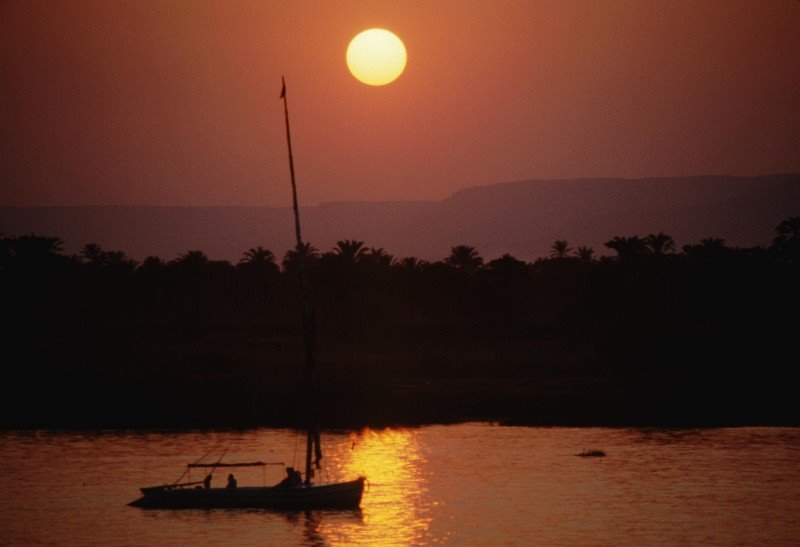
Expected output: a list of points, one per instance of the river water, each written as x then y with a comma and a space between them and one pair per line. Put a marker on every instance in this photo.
466, 484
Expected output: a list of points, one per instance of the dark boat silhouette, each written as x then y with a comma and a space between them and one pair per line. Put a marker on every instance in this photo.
192, 495
295, 491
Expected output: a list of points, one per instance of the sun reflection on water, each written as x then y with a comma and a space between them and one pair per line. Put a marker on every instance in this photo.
395, 467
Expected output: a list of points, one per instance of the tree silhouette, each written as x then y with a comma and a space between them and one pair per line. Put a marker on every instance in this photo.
585, 254
93, 254
787, 240
379, 257
41, 255
660, 244
260, 274
788, 229
192, 259
258, 256
119, 261
507, 265
708, 249
712, 243
259, 262
350, 251
464, 258
409, 264
627, 248
559, 249
151, 264
292, 259
33, 248
109, 336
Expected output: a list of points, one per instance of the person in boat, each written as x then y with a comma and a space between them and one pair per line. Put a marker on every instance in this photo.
231, 481
207, 482
293, 478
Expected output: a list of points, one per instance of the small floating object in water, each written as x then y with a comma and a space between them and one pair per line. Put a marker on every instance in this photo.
592, 454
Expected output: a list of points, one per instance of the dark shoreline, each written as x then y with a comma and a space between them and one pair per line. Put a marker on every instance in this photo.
411, 406
651, 338
229, 378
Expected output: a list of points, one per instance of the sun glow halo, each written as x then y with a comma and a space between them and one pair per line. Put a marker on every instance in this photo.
376, 56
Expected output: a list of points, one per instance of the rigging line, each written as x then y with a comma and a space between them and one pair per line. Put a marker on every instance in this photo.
188, 469
202, 457
182, 475
219, 460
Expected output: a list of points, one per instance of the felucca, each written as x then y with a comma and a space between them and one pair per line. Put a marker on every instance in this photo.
295, 491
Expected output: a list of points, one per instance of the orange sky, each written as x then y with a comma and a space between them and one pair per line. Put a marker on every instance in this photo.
176, 103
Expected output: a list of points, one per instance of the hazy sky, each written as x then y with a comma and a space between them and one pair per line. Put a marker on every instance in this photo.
176, 102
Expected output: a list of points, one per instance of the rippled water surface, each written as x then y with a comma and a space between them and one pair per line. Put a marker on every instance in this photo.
471, 483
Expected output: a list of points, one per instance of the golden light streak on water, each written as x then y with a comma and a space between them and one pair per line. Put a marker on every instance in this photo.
397, 498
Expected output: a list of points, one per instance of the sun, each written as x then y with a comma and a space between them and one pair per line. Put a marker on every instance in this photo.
376, 56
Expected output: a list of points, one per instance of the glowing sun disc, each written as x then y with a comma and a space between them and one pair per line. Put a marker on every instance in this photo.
376, 56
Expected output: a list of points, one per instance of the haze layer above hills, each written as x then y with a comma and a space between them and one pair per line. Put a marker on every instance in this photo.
520, 218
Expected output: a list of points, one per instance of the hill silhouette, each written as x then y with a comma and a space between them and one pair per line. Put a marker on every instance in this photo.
520, 218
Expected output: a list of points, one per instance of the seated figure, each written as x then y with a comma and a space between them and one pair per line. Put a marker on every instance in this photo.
293, 478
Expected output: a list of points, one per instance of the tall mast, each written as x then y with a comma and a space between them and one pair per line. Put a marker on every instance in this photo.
308, 318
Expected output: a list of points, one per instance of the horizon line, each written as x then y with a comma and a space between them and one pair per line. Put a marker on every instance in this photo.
350, 201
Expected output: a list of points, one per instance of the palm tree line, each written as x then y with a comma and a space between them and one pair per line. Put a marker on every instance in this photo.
463, 258
360, 287
654, 332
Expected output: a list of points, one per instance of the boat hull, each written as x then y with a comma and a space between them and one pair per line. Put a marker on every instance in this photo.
343, 495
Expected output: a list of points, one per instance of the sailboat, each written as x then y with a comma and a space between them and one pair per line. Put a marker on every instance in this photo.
295, 491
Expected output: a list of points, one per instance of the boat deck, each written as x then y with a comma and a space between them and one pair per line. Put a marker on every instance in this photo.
343, 495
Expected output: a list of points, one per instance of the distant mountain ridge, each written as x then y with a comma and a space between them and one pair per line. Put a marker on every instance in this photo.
521, 218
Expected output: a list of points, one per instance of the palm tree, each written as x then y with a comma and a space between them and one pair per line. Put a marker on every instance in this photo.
708, 248
585, 254
35, 247
258, 256
292, 258
788, 229
464, 258
409, 264
151, 264
506, 264
34, 252
659, 244
559, 249
93, 254
192, 259
627, 247
713, 243
787, 242
350, 251
119, 260
379, 257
